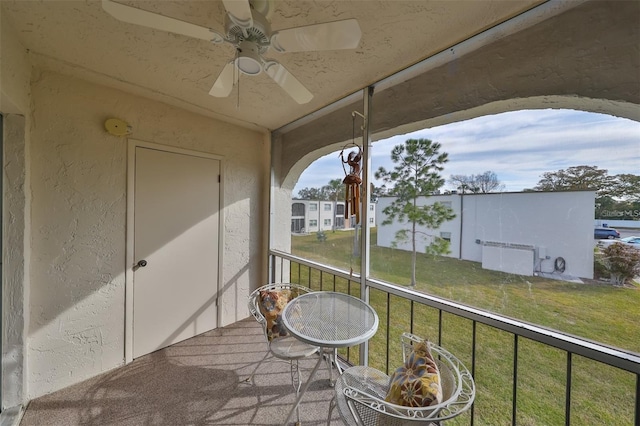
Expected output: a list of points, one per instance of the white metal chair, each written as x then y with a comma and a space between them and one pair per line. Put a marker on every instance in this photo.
361, 392
286, 347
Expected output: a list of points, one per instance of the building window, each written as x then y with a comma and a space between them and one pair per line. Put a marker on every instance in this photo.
340, 209
313, 222
297, 209
327, 207
446, 235
371, 220
371, 207
327, 222
313, 207
297, 226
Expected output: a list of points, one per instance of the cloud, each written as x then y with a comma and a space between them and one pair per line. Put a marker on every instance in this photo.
519, 146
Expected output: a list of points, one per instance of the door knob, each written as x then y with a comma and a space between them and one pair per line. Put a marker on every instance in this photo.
141, 264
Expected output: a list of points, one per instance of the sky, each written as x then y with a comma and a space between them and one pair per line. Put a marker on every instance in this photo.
519, 146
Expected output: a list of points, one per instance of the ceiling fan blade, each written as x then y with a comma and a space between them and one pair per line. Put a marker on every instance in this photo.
224, 83
328, 36
240, 12
288, 82
144, 18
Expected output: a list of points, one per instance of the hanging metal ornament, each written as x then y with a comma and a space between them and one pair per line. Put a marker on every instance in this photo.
352, 179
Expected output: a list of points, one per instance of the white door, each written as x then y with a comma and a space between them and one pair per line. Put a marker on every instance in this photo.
177, 202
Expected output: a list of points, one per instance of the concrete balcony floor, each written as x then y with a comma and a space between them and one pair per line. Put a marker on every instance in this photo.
215, 378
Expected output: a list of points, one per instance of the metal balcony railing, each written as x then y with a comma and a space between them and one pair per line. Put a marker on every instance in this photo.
578, 380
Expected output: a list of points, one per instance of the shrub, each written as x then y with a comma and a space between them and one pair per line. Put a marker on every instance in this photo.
621, 262
599, 269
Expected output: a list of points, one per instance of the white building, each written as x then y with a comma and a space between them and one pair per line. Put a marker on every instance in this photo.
522, 233
313, 216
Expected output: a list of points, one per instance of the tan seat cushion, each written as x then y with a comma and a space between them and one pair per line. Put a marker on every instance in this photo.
271, 304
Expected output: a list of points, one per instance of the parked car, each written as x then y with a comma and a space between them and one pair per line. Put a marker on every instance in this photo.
605, 233
629, 241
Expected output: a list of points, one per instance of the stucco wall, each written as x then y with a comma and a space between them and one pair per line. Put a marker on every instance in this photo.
14, 70
586, 57
77, 308
13, 225
279, 215
15, 73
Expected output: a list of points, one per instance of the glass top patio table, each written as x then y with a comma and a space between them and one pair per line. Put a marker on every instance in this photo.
329, 319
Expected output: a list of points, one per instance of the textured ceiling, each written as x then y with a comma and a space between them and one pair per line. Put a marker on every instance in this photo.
80, 39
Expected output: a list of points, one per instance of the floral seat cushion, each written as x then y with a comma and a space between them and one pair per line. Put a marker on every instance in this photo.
417, 382
271, 304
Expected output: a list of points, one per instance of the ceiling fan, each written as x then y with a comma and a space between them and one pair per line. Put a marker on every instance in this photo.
249, 31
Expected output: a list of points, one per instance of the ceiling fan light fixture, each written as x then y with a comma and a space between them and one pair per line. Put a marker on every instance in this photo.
248, 65
248, 30
248, 60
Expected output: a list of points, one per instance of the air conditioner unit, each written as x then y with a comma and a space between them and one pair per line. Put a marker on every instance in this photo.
508, 257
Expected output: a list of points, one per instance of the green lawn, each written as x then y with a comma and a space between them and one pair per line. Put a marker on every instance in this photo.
600, 395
